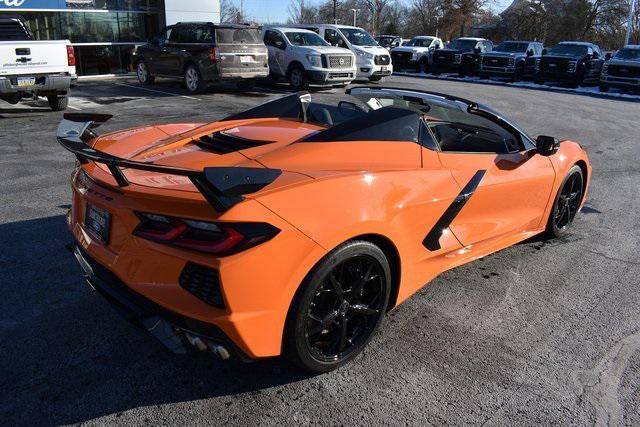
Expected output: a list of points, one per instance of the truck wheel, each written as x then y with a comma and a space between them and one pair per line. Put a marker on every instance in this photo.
246, 84
423, 66
517, 76
144, 76
57, 102
193, 79
297, 79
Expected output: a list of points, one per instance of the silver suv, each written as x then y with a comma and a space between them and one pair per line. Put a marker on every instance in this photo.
623, 70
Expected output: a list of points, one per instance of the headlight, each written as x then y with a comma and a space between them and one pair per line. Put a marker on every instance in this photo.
605, 68
572, 66
457, 58
512, 62
365, 55
414, 55
314, 60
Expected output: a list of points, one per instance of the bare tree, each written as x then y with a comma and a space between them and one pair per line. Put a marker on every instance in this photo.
301, 12
229, 12
377, 9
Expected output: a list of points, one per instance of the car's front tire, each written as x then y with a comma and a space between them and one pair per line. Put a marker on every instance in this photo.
143, 73
338, 307
297, 78
567, 203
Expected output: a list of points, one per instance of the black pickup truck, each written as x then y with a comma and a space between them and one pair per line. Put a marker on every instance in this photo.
576, 63
461, 56
508, 59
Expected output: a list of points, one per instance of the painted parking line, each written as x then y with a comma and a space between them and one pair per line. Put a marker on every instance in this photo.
158, 91
74, 107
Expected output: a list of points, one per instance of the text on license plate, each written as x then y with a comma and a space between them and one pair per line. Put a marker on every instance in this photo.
26, 81
245, 59
98, 220
383, 68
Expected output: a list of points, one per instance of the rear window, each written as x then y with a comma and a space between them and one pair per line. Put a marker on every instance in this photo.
12, 29
237, 35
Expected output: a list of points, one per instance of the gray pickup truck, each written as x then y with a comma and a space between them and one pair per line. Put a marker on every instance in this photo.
622, 71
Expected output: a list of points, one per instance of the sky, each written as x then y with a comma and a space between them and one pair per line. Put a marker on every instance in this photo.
265, 11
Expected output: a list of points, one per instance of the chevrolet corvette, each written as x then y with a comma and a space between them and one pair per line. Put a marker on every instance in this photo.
293, 227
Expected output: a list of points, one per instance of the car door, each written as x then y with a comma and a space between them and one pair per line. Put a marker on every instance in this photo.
153, 52
169, 58
276, 46
508, 185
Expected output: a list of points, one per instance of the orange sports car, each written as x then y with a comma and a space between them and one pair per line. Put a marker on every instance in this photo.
293, 227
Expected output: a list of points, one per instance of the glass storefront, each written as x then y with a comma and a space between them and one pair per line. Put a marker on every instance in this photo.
103, 32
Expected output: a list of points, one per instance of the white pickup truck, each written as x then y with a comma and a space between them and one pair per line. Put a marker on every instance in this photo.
30, 68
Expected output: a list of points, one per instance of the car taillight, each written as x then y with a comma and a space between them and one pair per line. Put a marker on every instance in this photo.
219, 238
213, 54
71, 56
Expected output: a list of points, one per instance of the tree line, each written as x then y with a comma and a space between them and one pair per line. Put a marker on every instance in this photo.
549, 21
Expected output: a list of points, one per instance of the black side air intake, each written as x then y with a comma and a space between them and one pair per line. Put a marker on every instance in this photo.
203, 283
223, 143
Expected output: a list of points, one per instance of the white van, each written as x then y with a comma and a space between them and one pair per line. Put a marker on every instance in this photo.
302, 57
372, 60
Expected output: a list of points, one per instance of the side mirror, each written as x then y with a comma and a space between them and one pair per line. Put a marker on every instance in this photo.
530, 52
547, 145
544, 51
349, 109
607, 56
595, 55
477, 50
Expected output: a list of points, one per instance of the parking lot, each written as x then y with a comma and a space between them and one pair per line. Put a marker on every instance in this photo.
543, 332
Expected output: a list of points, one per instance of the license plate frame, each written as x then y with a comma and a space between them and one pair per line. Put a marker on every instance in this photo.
383, 68
98, 222
246, 59
26, 81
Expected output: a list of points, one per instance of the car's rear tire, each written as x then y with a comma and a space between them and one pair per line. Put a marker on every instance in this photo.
193, 79
297, 78
339, 307
58, 102
566, 203
143, 73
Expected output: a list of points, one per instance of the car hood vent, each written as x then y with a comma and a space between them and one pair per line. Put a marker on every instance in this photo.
223, 143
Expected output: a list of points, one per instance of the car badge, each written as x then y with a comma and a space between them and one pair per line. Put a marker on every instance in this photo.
341, 61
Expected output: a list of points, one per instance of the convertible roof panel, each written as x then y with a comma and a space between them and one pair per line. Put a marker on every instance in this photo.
384, 124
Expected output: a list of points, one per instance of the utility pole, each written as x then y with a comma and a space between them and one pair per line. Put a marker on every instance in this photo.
335, 17
355, 11
632, 12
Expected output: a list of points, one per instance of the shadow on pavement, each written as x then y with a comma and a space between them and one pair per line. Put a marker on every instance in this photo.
67, 357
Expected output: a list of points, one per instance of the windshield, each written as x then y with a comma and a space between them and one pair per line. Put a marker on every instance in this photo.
385, 41
511, 47
305, 39
569, 49
237, 35
630, 54
421, 42
358, 37
462, 44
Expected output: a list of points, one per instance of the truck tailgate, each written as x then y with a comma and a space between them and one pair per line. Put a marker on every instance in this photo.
34, 57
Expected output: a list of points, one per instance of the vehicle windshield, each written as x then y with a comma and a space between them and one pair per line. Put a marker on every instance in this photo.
511, 47
420, 42
459, 44
237, 35
569, 49
385, 41
628, 54
305, 39
358, 37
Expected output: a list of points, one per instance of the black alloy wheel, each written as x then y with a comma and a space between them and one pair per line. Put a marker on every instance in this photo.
567, 202
339, 307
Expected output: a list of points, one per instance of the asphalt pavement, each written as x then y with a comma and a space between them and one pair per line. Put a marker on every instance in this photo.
543, 332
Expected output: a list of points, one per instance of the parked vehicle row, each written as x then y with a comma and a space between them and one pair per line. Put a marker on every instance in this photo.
31, 67
622, 71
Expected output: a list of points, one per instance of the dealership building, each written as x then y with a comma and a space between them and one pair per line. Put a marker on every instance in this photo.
105, 32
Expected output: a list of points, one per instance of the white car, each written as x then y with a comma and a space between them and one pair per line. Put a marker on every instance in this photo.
303, 58
417, 53
31, 68
372, 60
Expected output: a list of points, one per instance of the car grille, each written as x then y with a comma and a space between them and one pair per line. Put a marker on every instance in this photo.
339, 61
489, 61
401, 58
223, 143
443, 57
553, 65
382, 60
203, 283
623, 71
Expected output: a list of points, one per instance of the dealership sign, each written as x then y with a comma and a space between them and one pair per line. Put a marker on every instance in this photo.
33, 4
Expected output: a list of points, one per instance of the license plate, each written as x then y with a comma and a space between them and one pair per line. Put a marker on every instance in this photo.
383, 68
97, 221
245, 59
26, 81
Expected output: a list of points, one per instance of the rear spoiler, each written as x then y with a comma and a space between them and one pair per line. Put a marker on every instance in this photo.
222, 187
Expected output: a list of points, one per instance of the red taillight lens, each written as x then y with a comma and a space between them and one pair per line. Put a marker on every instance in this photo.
220, 238
213, 54
71, 56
